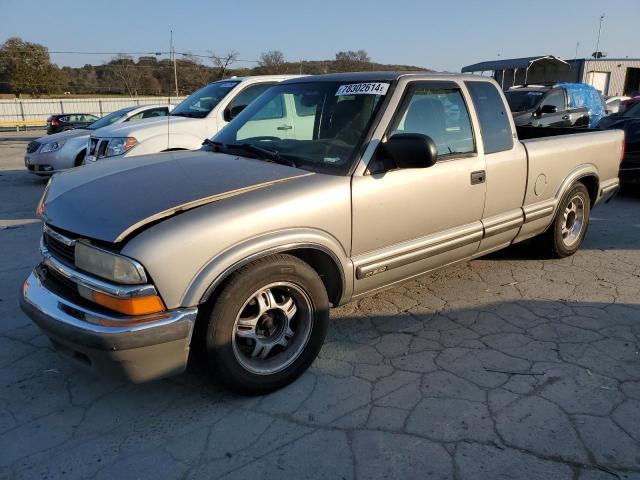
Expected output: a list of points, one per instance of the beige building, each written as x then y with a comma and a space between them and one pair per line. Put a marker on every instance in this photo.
611, 76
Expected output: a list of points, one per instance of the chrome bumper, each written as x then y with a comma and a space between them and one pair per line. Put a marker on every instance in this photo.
134, 348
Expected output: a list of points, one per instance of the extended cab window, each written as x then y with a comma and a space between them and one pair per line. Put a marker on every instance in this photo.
439, 113
495, 127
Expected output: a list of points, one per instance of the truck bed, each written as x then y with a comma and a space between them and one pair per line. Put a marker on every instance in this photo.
527, 133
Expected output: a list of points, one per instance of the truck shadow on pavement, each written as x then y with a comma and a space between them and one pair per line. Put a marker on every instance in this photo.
428, 376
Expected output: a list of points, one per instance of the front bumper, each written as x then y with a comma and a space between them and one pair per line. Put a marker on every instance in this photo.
143, 349
46, 164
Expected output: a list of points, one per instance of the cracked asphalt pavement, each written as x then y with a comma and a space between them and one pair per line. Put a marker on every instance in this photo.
510, 366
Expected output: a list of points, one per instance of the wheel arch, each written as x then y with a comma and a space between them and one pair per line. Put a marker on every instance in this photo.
587, 174
592, 183
323, 253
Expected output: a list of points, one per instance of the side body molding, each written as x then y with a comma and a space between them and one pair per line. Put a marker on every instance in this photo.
249, 250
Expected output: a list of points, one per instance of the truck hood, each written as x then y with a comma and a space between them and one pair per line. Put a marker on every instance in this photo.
149, 127
110, 200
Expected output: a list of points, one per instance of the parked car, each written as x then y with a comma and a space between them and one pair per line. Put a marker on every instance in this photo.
69, 121
627, 103
629, 122
240, 248
196, 118
48, 155
560, 105
612, 104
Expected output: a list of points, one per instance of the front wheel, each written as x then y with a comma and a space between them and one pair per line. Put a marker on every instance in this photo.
566, 233
268, 324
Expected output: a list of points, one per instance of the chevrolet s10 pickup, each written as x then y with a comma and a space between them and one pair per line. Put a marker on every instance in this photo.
238, 250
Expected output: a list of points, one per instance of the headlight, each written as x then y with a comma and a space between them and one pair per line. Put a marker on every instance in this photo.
52, 146
107, 265
41, 204
118, 146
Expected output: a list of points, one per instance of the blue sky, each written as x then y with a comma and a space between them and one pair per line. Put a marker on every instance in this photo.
444, 34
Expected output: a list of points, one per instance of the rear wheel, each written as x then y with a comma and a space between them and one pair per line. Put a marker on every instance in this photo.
566, 233
268, 324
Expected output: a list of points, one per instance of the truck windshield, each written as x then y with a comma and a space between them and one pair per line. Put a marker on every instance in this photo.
318, 126
202, 101
109, 119
519, 100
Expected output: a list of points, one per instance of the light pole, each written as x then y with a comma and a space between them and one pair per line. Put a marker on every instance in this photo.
596, 53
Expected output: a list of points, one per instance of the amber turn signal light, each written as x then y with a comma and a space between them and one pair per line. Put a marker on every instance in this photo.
130, 306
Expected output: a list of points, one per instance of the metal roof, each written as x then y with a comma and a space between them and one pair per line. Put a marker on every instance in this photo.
510, 63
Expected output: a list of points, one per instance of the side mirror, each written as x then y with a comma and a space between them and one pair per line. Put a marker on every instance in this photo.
231, 113
547, 109
411, 150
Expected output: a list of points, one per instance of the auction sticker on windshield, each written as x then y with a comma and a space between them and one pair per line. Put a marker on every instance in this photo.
363, 89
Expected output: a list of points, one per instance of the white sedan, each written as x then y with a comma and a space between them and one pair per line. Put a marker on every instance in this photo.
48, 155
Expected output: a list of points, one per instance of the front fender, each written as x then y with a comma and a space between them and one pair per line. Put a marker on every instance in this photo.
235, 257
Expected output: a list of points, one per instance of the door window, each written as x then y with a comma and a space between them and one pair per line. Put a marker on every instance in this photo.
555, 98
155, 112
248, 95
440, 113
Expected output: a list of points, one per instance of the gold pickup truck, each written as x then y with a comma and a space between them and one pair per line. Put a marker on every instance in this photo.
323, 190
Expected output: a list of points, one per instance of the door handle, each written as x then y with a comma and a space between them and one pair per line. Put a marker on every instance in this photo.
285, 127
478, 177
565, 117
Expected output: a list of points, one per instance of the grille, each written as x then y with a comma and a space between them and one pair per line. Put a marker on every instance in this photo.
59, 250
63, 281
93, 145
32, 147
102, 149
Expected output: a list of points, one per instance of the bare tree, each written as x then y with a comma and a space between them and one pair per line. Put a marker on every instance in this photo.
349, 61
222, 63
123, 69
271, 62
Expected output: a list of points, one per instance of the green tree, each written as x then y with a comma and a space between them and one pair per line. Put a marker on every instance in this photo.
25, 67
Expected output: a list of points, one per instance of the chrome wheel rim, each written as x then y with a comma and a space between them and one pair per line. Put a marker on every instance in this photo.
272, 328
573, 221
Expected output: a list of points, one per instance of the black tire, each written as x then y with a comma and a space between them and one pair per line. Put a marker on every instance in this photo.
554, 241
227, 349
80, 159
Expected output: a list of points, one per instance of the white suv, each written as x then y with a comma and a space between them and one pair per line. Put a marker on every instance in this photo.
196, 118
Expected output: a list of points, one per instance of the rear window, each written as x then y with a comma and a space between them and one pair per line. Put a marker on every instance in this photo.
495, 128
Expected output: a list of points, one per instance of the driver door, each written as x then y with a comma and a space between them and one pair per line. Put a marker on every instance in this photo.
409, 221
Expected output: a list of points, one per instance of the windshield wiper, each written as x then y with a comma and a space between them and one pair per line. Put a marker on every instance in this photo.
217, 146
268, 154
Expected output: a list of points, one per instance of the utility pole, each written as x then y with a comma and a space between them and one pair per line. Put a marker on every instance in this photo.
175, 68
599, 32
577, 47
